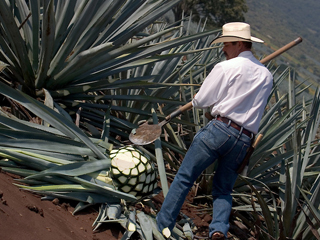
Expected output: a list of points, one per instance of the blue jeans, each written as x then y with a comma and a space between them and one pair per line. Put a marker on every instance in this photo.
216, 141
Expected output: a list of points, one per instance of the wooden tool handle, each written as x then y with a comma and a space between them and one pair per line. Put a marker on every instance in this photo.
249, 153
281, 50
179, 111
258, 139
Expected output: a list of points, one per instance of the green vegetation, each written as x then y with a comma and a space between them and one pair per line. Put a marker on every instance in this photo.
77, 78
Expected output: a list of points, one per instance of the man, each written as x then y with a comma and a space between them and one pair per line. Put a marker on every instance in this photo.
236, 90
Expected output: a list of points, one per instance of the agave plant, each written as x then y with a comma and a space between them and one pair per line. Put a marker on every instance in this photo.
61, 162
105, 66
278, 198
284, 167
86, 58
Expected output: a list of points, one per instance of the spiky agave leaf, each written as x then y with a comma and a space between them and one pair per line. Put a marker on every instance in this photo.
281, 158
78, 49
75, 164
78, 38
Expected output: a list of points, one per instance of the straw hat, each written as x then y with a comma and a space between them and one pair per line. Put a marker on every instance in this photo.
236, 31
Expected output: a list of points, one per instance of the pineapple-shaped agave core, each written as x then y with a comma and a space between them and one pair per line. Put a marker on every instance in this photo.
132, 171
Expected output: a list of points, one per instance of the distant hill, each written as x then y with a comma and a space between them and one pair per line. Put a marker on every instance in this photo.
279, 22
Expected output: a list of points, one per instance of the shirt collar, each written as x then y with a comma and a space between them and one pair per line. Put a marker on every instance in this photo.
245, 54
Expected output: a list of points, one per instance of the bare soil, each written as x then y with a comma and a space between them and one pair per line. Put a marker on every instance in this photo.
24, 215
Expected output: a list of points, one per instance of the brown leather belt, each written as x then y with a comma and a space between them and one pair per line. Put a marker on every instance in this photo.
234, 125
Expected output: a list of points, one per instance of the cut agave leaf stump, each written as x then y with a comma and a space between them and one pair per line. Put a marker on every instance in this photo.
132, 171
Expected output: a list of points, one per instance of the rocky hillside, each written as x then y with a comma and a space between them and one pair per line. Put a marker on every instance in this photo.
281, 21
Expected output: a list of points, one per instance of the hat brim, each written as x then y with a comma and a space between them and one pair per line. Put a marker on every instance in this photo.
235, 39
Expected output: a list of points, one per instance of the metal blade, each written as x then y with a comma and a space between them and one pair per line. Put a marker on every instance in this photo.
145, 134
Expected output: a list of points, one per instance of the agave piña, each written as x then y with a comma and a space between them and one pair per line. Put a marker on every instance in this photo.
132, 171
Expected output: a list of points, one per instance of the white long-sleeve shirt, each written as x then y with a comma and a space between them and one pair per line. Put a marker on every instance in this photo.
237, 89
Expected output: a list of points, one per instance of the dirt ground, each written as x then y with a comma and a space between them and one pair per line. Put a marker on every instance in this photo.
24, 214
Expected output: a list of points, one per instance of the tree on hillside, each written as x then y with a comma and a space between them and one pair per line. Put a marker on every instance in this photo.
218, 12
